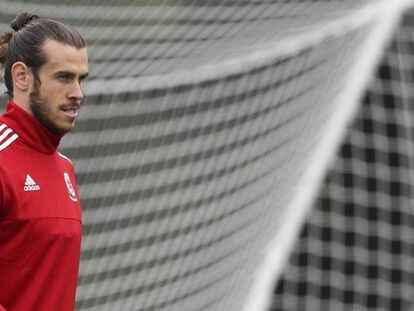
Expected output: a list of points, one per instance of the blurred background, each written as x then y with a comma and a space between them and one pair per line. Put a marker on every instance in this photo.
243, 154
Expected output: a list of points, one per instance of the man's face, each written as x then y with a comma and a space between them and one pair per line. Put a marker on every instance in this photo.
55, 98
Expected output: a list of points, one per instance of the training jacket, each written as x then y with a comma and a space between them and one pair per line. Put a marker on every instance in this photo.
40, 217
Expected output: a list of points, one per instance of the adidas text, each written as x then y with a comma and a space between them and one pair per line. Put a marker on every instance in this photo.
31, 188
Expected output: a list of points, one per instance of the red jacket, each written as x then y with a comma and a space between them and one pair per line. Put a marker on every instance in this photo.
40, 217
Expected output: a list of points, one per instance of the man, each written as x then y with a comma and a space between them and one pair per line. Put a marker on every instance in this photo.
44, 64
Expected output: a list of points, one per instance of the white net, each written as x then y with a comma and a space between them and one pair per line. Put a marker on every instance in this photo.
356, 250
206, 129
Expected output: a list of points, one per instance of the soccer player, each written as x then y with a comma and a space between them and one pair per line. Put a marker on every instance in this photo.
44, 64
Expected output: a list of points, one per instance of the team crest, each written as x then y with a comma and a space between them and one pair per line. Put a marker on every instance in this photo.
71, 190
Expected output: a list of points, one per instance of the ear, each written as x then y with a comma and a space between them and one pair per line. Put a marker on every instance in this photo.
21, 75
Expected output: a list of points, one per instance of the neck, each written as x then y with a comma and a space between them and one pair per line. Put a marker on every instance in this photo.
23, 102
29, 129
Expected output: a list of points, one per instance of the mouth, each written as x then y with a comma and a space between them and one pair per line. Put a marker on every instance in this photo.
71, 111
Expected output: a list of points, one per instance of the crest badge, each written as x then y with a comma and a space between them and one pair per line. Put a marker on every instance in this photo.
71, 190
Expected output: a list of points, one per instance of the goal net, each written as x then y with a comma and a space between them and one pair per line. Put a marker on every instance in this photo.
206, 131
356, 250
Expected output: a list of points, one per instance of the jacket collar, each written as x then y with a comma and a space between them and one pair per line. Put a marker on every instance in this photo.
30, 130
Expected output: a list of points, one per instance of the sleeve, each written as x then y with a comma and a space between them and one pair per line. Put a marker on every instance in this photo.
1, 209
2, 200
2, 197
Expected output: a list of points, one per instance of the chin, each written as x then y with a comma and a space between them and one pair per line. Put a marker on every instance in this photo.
66, 130
61, 130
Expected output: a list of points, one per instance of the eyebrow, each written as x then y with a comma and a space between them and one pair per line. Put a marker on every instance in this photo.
70, 73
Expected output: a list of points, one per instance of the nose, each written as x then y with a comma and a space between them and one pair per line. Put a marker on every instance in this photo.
76, 92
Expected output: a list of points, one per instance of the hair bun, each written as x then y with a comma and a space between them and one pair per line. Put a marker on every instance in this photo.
4, 42
22, 20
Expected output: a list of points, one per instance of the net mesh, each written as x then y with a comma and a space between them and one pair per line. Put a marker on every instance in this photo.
202, 119
356, 250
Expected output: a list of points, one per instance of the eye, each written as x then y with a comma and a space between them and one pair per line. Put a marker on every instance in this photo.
82, 78
64, 78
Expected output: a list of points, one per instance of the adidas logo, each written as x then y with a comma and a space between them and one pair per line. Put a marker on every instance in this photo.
30, 184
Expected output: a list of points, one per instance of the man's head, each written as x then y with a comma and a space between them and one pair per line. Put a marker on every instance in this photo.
44, 63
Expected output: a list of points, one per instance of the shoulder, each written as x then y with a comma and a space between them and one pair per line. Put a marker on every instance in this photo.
65, 161
64, 157
7, 136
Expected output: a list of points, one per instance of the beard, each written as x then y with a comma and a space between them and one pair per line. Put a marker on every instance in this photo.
42, 111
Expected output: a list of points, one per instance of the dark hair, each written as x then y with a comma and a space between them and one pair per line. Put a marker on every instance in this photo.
26, 43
